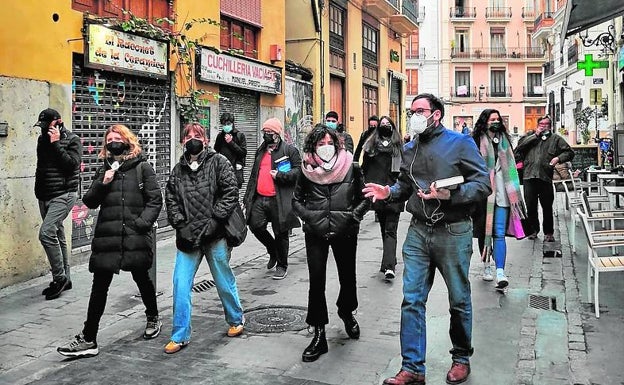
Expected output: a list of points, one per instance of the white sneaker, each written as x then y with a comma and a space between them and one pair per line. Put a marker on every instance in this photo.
501, 280
487, 273
389, 274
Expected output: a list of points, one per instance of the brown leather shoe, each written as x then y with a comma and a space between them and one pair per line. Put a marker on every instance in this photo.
405, 378
458, 373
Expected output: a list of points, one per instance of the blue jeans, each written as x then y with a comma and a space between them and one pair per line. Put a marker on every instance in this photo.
218, 256
52, 233
447, 247
499, 247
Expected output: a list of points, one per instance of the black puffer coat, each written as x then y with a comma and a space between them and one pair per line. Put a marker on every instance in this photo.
199, 202
123, 236
58, 165
331, 210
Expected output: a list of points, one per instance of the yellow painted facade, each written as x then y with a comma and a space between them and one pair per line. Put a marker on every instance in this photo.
304, 47
38, 40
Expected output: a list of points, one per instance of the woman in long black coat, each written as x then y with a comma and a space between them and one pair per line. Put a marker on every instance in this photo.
127, 193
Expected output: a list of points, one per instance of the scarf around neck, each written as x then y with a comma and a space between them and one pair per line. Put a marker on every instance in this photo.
313, 169
512, 188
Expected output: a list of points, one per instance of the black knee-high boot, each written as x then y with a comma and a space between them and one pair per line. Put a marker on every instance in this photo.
317, 347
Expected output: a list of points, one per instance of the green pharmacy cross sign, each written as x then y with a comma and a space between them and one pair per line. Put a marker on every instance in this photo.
589, 65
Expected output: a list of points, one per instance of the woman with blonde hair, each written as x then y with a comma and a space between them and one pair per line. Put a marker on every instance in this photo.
129, 197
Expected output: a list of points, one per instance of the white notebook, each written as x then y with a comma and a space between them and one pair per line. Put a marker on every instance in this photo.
449, 183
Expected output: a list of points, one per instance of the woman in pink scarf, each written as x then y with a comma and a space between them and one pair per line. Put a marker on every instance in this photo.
504, 209
328, 198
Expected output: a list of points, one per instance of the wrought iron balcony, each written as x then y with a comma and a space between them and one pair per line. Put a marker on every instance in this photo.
498, 92
499, 53
528, 13
498, 13
463, 13
534, 91
410, 10
405, 22
463, 92
544, 20
415, 54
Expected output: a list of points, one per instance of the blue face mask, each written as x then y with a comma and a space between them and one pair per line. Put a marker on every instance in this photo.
331, 125
227, 129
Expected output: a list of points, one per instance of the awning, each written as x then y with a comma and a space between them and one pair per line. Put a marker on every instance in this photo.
583, 14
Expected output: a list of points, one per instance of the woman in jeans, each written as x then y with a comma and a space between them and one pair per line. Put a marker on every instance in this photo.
503, 210
127, 193
328, 198
201, 194
381, 162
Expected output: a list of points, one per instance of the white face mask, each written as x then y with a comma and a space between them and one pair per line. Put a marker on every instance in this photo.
418, 124
326, 152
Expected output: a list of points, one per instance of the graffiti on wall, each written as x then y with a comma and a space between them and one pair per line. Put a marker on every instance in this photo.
101, 99
298, 111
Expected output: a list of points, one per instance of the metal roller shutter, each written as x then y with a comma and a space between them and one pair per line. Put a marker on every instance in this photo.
101, 99
245, 107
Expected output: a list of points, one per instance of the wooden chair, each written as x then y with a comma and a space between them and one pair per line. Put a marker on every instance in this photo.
597, 240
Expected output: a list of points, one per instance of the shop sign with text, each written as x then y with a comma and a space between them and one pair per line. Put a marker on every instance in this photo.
239, 72
123, 52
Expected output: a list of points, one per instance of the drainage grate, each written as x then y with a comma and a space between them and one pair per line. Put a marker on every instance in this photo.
203, 285
275, 319
542, 302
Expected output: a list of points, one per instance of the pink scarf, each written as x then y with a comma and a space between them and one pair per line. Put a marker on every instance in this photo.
313, 170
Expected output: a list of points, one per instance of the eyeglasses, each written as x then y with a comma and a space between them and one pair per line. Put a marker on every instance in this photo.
418, 111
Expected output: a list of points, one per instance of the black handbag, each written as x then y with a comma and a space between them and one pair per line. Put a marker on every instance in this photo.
236, 227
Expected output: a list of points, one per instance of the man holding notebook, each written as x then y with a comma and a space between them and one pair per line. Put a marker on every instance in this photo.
269, 194
442, 176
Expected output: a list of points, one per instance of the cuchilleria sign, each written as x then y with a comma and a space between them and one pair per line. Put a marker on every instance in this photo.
239, 72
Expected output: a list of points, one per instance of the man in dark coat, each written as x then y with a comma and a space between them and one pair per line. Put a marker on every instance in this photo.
59, 155
331, 121
232, 144
269, 194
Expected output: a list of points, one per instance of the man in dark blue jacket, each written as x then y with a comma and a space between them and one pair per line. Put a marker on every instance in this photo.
59, 155
439, 236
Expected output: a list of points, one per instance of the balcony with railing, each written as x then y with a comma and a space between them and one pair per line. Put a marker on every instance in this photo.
528, 14
535, 91
498, 13
381, 8
463, 13
507, 53
415, 53
406, 21
463, 93
498, 92
542, 27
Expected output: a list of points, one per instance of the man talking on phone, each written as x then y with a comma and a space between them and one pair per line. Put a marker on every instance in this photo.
439, 235
59, 155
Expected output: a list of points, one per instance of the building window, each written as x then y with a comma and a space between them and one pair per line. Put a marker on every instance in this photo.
497, 42
534, 84
412, 47
236, 35
151, 10
412, 82
336, 20
369, 100
370, 40
497, 88
462, 83
460, 45
337, 23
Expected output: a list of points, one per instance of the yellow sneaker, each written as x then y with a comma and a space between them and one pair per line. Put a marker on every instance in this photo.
235, 331
174, 347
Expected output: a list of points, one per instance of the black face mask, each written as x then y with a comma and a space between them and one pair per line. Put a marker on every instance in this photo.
371, 128
117, 148
385, 131
194, 146
496, 127
269, 138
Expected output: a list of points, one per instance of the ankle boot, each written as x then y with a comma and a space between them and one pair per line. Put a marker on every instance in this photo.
317, 347
351, 325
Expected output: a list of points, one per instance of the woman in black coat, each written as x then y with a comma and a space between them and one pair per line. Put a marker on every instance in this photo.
328, 198
381, 162
127, 193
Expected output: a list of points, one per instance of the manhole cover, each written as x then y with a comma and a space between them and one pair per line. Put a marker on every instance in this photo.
275, 319
542, 302
203, 285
